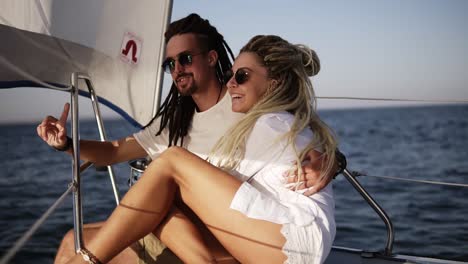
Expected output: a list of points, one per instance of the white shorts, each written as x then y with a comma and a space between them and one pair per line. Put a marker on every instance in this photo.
308, 243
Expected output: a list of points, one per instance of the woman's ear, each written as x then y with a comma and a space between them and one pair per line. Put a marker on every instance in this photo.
272, 85
212, 58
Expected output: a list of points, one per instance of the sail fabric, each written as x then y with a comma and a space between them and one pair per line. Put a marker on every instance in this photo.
119, 44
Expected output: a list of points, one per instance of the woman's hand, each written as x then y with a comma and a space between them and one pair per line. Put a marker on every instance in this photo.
310, 179
53, 130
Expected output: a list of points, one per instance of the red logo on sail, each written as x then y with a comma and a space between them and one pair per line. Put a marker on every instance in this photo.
131, 48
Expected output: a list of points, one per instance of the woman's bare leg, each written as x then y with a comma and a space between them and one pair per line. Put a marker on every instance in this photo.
207, 190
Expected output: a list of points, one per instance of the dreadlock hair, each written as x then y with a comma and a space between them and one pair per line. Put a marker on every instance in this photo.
177, 111
290, 66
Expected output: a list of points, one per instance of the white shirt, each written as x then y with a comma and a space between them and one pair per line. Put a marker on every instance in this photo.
308, 223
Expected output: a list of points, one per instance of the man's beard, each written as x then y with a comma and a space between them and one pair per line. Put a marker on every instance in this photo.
190, 90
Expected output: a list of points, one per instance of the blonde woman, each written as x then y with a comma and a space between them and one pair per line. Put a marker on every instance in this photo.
239, 194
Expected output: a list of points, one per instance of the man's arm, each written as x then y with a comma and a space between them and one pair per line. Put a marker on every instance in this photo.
110, 152
53, 132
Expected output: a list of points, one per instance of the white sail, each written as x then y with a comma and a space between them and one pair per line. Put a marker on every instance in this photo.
118, 43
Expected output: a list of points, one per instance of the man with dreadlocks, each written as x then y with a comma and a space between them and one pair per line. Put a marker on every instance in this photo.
195, 115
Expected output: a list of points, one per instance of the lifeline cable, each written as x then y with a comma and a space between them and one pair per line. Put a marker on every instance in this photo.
25, 238
356, 173
391, 99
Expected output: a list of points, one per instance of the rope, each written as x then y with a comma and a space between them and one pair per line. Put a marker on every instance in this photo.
412, 180
25, 74
391, 99
25, 238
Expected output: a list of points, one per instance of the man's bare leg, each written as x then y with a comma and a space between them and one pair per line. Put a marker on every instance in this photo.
186, 235
67, 247
176, 233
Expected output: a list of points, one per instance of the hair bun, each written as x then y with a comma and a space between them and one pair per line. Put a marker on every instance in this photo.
310, 60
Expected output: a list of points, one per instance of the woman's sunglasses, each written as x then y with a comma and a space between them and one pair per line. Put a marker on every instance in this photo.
241, 76
184, 59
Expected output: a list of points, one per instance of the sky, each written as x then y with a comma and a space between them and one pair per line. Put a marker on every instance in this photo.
396, 49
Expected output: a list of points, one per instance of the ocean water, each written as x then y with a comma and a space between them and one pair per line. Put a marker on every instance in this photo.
425, 143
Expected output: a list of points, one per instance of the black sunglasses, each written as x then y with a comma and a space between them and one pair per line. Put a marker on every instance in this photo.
184, 59
241, 76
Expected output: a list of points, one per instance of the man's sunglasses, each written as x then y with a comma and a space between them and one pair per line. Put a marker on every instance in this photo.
241, 76
184, 59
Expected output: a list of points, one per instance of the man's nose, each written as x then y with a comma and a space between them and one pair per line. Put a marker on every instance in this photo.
178, 68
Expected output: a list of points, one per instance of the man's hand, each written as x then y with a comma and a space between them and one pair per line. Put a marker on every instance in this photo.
53, 131
310, 179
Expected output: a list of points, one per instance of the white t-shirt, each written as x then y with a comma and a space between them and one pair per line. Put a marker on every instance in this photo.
207, 127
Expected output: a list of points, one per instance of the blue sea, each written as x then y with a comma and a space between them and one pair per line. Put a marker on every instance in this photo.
424, 143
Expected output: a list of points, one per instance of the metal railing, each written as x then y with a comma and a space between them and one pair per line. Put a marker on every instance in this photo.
77, 169
388, 223
76, 181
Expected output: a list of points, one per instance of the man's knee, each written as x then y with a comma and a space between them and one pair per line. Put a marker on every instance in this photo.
66, 249
69, 237
89, 231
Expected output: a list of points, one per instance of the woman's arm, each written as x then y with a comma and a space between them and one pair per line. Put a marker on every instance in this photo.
310, 179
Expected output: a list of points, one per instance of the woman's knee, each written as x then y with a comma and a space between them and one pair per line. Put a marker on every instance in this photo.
167, 161
173, 153
165, 158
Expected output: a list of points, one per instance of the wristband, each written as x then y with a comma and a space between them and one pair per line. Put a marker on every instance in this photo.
67, 146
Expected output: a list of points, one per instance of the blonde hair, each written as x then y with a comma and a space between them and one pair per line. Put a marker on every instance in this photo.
290, 66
